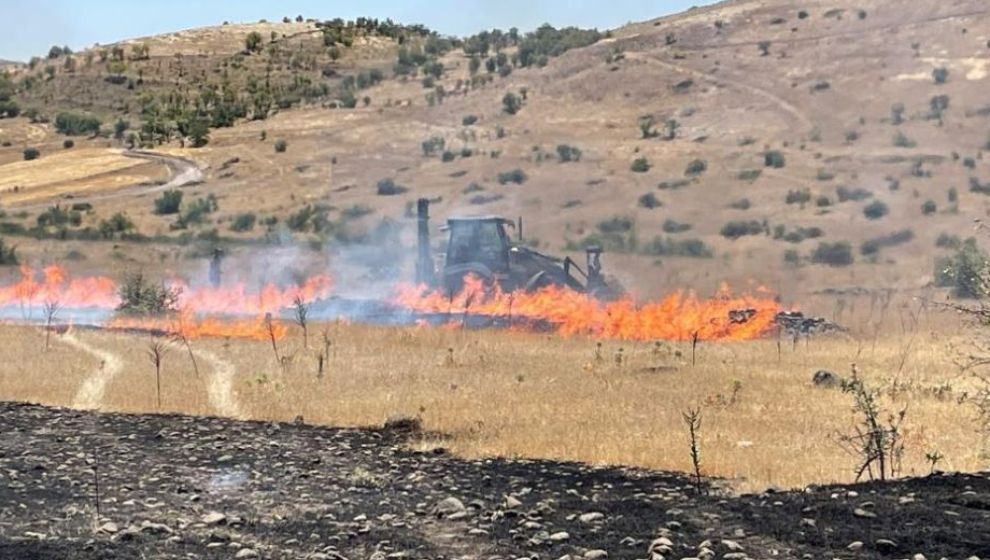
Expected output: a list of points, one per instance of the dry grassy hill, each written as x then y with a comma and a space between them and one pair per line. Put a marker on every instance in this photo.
724, 143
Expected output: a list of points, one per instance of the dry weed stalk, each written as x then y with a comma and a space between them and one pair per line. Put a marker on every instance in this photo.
51, 309
270, 327
157, 349
301, 314
692, 419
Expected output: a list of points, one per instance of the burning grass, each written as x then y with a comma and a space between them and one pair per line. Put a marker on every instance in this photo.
530, 395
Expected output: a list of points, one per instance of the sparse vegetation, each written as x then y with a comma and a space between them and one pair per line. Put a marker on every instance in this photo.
872, 247
168, 203
833, 254
902, 141
774, 159
640, 165
388, 187
650, 201
517, 176
696, 167
876, 210
281, 146
31, 154
929, 207
567, 153
740, 228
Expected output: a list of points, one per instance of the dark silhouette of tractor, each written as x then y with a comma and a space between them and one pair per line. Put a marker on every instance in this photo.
481, 247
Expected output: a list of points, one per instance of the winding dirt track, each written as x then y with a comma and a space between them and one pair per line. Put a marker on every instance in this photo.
90, 393
184, 172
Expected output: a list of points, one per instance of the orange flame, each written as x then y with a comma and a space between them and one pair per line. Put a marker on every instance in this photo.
679, 316
53, 284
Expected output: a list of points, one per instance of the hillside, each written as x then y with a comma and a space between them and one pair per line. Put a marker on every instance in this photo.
722, 144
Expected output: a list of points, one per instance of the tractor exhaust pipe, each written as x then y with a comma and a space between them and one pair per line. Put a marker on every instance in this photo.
424, 261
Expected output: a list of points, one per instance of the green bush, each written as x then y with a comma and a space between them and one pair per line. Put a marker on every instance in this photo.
833, 254
673, 185
31, 154
871, 247
469, 120
965, 271
695, 168
640, 165
448, 156
75, 124
940, 75
666, 247
433, 145
948, 241
876, 210
511, 103
119, 223
568, 153
929, 207
673, 226
8, 254
517, 176
739, 228
243, 222
169, 202
749, 175
649, 201
775, 159
138, 296
856, 195
68, 144
902, 141
823, 201
616, 224
388, 187
741, 204
801, 197
281, 146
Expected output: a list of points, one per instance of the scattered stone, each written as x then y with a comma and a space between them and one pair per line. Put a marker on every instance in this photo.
560, 536
591, 517
863, 514
826, 379
213, 518
732, 546
246, 553
855, 546
596, 554
109, 528
448, 507
885, 545
512, 502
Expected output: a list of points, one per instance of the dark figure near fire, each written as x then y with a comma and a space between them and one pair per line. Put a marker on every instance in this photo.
215, 272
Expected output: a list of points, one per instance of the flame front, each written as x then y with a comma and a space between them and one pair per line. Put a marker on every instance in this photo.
679, 316
197, 307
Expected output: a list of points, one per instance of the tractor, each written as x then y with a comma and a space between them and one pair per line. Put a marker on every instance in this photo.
482, 247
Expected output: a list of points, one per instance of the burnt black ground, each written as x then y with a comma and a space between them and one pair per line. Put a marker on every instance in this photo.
296, 491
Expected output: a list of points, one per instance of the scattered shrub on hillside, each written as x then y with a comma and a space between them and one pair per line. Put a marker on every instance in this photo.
833, 254
825, 175
775, 159
791, 256
801, 197
568, 153
75, 124
511, 103
749, 175
119, 223
741, 204
940, 75
469, 120
739, 228
253, 41
196, 212
764, 47
547, 41
68, 144
31, 154
929, 207
58, 216
650, 201
517, 176
168, 202
616, 224
871, 247
948, 241
977, 187
667, 247
673, 226
640, 165
823, 201
388, 187
8, 254
797, 235
965, 271
281, 146
673, 185
902, 141
695, 168
856, 195
433, 145
447, 156
876, 210
243, 222
138, 296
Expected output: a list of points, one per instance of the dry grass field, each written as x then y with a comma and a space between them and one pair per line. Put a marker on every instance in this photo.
489, 393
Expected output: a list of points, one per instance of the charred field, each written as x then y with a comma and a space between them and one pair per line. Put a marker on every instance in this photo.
180, 487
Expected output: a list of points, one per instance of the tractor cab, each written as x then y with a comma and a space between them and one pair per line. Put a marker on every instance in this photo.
479, 246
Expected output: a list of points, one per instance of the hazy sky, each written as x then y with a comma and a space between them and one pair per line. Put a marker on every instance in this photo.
30, 27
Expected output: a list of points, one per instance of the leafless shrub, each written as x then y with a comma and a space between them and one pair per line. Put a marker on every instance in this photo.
876, 440
301, 315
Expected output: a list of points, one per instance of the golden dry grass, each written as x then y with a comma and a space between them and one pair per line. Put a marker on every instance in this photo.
83, 170
528, 395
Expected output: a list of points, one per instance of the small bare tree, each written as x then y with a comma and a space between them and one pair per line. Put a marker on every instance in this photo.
301, 312
692, 419
270, 327
324, 356
51, 309
876, 440
156, 352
